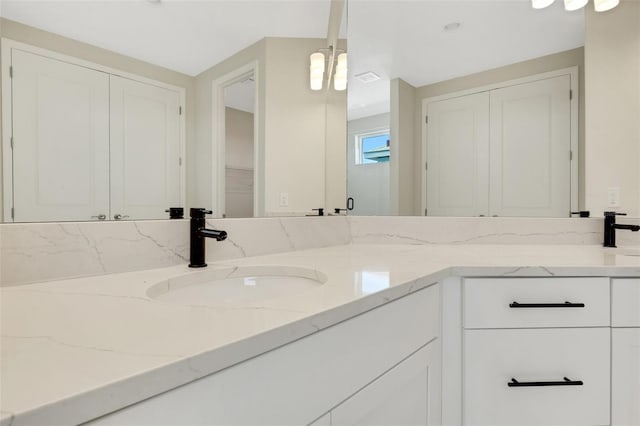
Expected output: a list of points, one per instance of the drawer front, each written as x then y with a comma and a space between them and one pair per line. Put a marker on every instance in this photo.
625, 303
536, 302
494, 357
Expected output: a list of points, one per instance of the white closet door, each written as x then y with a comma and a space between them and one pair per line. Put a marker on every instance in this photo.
530, 165
61, 140
457, 156
145, 150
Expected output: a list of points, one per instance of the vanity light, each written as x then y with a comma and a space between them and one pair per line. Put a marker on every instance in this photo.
316, 76
340, 77
604, 5
571, 5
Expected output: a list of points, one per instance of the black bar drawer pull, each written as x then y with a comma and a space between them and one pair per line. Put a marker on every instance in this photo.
566, 382
546, 305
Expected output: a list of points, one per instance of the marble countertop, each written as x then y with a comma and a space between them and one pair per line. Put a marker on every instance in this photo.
75, 349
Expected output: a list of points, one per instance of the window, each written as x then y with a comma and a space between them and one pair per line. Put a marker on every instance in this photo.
373, 148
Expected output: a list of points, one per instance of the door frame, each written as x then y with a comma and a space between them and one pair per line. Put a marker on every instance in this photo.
6, 46
573, 74
218, 137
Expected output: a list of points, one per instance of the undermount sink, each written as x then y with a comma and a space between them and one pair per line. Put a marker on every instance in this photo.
625, 251
232, 287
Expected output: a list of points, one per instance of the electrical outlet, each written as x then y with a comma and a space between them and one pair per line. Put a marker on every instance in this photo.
613, 196
284, 199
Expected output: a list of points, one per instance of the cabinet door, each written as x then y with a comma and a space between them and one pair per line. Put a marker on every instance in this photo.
625, 376
530, 166
517, 377
146, 173
60, 115
408, 394
458, 156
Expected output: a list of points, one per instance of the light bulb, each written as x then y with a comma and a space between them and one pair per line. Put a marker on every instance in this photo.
340, 76
571, 5
541, 4
604, 5
316, 70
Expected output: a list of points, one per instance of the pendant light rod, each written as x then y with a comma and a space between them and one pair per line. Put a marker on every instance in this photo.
333, 35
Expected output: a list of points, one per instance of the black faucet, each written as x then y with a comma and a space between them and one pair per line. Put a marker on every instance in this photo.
610, 227
198, 234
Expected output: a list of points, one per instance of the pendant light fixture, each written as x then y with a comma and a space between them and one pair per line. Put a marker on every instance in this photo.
571, 5
318, 64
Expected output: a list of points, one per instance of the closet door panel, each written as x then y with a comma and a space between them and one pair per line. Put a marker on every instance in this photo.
457, 156
61, 140
145, 149
530, 168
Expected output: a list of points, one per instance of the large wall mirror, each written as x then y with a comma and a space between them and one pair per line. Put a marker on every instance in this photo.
120, 110
484, 108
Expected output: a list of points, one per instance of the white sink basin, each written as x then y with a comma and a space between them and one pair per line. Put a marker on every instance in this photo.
232, 287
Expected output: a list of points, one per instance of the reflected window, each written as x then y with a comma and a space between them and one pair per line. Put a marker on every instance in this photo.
373, 148
368, 282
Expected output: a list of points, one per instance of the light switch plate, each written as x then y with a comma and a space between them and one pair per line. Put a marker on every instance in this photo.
284, 199
613, 196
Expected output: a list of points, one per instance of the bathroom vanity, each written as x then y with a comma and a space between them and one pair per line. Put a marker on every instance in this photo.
386, 332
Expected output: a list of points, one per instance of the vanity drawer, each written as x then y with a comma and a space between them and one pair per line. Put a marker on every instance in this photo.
536, 302
534, 358
625, 303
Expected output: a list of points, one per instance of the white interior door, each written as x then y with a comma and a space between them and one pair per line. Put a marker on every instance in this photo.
530, 148
61, 140
145, 150
458, 156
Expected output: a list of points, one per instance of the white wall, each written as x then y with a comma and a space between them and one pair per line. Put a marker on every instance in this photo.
301, 132
239, 138
403, 149
612, 143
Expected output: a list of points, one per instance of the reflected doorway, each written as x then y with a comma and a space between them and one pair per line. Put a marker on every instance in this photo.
239, 102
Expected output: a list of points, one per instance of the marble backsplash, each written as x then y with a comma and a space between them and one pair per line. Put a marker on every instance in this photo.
37, 252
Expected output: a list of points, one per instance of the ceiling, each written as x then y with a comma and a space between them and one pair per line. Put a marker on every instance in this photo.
393, 38
406, 39
183, 35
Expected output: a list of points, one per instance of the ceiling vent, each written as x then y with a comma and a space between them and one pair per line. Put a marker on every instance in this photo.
367, 77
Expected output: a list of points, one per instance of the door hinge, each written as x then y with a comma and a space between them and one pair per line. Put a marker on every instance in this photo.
426, 165
179, 110
570, 94
13, 213
425, 212
426, 119
570, 155
11, 71
179, 161
11, 140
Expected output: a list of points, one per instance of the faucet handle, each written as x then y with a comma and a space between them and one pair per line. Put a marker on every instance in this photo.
614, 214
198, 212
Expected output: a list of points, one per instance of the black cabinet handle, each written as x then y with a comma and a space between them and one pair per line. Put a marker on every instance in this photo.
566, 382
546, 305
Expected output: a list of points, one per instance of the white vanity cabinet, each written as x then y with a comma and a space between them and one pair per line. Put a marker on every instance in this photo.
625, 352
536, 351
381, 366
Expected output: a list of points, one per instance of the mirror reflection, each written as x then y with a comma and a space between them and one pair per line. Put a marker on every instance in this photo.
489, 110
120, 110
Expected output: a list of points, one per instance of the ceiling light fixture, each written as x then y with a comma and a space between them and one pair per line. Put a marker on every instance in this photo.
318, 64
571, 5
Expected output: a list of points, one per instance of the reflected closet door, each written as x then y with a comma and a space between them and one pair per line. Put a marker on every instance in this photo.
458, 156
145, 150
530, 148
60, 115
